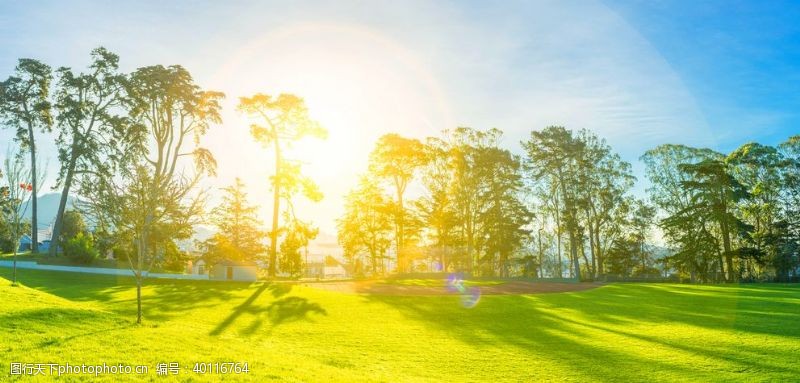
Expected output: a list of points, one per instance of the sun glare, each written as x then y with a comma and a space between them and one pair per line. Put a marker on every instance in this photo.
357, 83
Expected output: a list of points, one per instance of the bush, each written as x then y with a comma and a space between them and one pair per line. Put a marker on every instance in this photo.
81, 249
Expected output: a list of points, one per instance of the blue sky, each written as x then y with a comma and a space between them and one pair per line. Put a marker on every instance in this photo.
639, 73
740, 60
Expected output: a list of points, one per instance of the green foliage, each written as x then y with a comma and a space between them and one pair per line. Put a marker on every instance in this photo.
584, 186
90, 125
73, 225
396, 161
80, 249
366, 226
240, 237
173, 259
8, 242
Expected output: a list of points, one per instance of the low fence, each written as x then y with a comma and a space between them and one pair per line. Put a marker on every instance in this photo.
98, 270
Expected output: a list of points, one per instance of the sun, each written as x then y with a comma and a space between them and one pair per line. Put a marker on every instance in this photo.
357, 83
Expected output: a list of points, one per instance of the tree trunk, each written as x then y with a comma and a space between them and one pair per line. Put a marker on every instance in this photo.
14, 278
558, 236
62, 205
726, 244
571, 227
573, 250
276, 200
401, 261
34, 214
585, 258
139, 300
540, 270
600, 255
592, 250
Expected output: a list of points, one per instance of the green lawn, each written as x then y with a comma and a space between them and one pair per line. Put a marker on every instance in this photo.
619, 332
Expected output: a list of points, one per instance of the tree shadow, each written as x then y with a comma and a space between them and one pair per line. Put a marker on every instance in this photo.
282, 310
563, 329
38, 323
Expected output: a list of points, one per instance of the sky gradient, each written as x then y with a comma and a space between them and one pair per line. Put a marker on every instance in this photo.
638, 73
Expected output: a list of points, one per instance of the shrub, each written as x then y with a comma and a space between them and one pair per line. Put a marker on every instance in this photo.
80, 249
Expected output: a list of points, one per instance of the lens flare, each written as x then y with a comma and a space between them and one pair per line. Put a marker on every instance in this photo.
469, 295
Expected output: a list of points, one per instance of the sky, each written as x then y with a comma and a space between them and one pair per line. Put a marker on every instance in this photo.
713, 74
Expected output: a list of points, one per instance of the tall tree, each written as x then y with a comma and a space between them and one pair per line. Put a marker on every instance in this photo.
759, 169
297, 232
25, 106
694, 241
604, 182
397, 159
366, 225
554, 155
789, 259
505, 218
152, 199
716, 192
86, 120
437, 207
283, 120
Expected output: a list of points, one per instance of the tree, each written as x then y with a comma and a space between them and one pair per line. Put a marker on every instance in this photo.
284, 120
604, 182
788, 260
298, 235
366, 226
397, 159
24, 106
437, 208
86, 120
554, 155
694, 241
74, 224
715, 192
18, 190
238, 224
759, 169
153, 199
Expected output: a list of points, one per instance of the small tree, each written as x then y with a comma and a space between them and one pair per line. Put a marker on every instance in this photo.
74, 224
19, 191
239, 227
80, 249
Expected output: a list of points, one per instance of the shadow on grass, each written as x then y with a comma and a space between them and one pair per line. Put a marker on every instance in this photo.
282, 310
593, 335
72, 323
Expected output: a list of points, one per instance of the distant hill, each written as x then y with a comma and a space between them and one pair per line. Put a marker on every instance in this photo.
47, 209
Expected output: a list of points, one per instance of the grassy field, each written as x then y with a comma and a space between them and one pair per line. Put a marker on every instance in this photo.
619, 332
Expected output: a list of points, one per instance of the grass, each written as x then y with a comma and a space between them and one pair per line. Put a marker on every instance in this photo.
619, 332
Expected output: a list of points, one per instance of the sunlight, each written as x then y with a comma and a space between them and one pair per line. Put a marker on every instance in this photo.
356, 82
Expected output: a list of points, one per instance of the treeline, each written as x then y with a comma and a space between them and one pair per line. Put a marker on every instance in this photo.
565, 209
